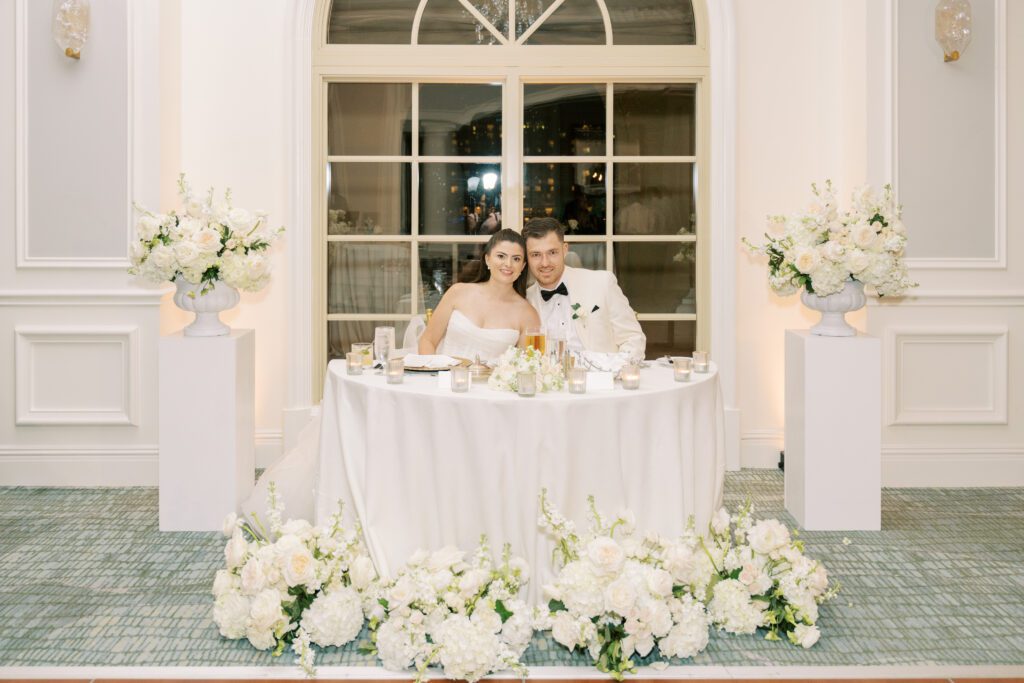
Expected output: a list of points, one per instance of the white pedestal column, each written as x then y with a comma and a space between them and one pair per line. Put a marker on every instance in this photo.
207, 428
833, 431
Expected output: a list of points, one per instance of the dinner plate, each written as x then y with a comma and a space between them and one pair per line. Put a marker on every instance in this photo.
462, 362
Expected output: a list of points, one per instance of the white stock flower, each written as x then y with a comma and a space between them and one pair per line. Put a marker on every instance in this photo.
148, 227
720, 521
804, 636
299, 528
236, 550
335, 617
231, 614
362, 572
518, 564
253, 577
606, 555
767, 536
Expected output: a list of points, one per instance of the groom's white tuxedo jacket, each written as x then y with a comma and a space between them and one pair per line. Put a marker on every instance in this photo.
604, 319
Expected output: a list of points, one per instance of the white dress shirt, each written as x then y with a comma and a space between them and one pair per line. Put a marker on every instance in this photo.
556, 316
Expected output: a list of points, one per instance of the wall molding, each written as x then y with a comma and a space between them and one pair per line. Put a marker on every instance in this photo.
952, 466
891, 132
998, 298
138, 133
28, 338
35, 298
269, 447
995, 408
29, 465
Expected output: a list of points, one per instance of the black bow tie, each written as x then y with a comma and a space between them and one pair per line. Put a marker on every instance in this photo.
546, 294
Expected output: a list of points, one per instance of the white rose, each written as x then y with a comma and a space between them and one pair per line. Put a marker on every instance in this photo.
236, 550
440, 580
207, 240
471, 582
254, 579
148, 228
565, 630
767, 536
229, 525
186, 253
864, 235
804, 636
833, 250
856, 261
161, 258
240, 220
231, 614
487, 618
445, 558
659, 582
606, 555
402, 592
807, 260
620, 597
260, 638
299, 528
298, 566
362, 573
224, 582
265, 611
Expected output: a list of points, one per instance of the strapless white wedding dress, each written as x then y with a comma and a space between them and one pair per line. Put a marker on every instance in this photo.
463, 339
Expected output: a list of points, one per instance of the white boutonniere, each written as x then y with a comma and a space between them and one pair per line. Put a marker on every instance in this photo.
581, 315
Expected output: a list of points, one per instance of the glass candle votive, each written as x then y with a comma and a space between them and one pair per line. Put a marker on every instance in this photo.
700, 361
395, 370
577, 380
681, 367
460, 380
354, 363
365, 351
527, 383
630, 376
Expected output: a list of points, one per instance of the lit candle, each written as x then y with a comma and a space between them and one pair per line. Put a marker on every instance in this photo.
700, 361
395, 370
354, 363
630, 375
527, 383
460, 379
681, 368
577, 380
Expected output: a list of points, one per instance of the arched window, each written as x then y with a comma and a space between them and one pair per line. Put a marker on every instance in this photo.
434, 123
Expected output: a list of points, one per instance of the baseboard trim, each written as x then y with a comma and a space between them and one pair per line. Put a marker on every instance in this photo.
759, 448
269, 446
55, 466
945, 466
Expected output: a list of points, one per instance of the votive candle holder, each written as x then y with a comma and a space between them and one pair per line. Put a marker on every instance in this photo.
630, 376
460, 380
681, 368
700, 361
577, 380
354, 363
395, 370
527, 383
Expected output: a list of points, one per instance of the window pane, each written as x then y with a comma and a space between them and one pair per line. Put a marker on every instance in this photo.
566, 119
656, 277
369, 118
495, 11
342, 334
527, 12
447, 22
442, 265
654, 199
654, 119
368, 198
586, 255
364, 277
652, 22
460, 199
670, 337
371, 21
576, 22
572, 193
460, 119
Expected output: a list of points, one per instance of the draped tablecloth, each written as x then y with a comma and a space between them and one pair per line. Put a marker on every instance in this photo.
424, 467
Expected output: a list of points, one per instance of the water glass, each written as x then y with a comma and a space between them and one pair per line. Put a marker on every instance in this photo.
681, 366
365, 351
383, 344
527, 383
354, 363
460, 379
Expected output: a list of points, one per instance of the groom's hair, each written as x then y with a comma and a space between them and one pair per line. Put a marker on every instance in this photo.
538, 228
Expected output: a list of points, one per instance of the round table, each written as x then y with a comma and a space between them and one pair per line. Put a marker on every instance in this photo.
424, 467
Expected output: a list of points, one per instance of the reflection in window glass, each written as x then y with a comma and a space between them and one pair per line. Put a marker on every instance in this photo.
442, 265
654, 199
368, 277
368, 198
494, 11
576, 22
655, 119
657, 277
367, 22
342, 334
588, 255
670, 337
460, 199
572, 193
447, 22
565, 119
369, 118
651, 22
527, 13
460, 119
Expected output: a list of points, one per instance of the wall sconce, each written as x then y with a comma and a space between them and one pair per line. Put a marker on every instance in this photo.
953, 27
71, 26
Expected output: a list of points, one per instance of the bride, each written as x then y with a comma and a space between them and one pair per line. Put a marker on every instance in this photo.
485, 317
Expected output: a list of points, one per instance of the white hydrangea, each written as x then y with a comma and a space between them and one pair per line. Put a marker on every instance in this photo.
335, 617
468, 650
732, 610
231, 614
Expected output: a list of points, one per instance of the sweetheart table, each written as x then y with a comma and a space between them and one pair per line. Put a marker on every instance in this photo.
424, 467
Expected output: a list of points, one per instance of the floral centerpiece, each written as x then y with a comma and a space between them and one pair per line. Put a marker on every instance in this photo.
822, 248
620, 593
463, 616
505, 376
291, 583
208, 241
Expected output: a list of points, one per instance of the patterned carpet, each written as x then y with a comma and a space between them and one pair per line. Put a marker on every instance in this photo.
86, 579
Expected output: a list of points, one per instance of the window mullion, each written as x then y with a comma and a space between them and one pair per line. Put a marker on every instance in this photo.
414, 202
609, 177
512, 150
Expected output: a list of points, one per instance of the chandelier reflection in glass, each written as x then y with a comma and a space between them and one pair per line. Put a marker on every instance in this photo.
496, 13
953, 27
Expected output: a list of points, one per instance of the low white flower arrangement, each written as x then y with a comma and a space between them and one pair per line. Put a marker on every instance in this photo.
292, 584
505, 376
462, 616
620, 593
208, 241
820, 249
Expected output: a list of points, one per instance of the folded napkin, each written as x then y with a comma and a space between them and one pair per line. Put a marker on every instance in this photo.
603, 362
416, 360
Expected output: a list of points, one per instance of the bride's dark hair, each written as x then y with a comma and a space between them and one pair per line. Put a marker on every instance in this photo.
505, 235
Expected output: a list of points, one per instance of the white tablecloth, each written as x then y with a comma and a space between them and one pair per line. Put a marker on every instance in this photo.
425, 468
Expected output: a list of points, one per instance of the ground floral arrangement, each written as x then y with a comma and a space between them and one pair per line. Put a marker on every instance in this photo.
821, 248
619, 593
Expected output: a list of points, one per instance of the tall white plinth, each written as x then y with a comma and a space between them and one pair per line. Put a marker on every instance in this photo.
834, 431
207, 428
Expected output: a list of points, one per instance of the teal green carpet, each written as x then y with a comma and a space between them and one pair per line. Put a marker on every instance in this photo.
87, 579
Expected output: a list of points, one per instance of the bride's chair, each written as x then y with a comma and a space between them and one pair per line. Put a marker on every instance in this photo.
411, 338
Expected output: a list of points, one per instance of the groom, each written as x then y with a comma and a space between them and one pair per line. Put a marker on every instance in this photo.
585, 307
